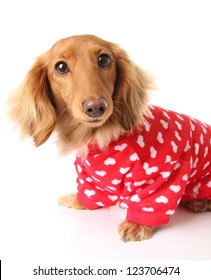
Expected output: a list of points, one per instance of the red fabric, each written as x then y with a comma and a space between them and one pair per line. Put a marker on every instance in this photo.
149, 171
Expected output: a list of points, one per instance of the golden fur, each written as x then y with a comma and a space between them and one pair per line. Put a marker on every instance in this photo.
48, 101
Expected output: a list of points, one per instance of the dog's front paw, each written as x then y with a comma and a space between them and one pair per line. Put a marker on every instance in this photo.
71, 201
130, 231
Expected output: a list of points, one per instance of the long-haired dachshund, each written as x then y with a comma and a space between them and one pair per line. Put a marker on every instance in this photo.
143, 157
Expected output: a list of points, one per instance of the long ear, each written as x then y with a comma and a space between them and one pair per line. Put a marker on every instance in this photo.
32, 106
131, 91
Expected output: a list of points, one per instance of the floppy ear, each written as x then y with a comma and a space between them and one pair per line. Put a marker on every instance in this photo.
131, 91
32, 106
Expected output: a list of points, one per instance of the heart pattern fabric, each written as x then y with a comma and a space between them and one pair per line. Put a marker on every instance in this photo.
150, 170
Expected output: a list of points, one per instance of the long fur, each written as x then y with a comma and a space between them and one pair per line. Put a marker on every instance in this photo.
38, 109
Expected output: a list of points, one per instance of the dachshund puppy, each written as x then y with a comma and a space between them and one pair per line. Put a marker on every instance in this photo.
143, 157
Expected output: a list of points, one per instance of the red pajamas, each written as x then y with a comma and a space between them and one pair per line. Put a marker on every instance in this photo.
150, 170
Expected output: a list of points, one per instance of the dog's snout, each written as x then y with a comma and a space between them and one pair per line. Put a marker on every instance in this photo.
94, 107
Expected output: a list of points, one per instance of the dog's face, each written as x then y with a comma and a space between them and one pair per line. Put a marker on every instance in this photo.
84, 87
82, 73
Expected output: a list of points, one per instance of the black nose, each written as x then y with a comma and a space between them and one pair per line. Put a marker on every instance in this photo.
94, 107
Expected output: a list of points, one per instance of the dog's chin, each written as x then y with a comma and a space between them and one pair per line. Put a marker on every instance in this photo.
94, 123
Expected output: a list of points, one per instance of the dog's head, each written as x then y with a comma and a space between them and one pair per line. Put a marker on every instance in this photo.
82, 83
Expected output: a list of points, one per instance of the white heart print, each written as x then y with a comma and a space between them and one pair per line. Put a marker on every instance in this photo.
138, 184
185, 177
127, 184
196, 146
166, 115
148, 209
89, 192
79, 168
170, 212
153, 152
116, 181
164, 124
180, 117
124, 170
195, 162
192, 126
162, 199
177, 166
165, 174
168, 159
209, 184
202, 139
110, 161
88, 179
99, 203
81, 181
160, 138
113, 197
100, 173
135, 198
204, 129
149, 170
140, 141
177, 135
134, 157
174, 146
120, 147
129, 188
206, 151
205, 165
123, 205
196, 189
179, 126
187, 147
129, 175
175, 188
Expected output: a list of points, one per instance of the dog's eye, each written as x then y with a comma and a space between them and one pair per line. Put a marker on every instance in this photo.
62, 68
104, 60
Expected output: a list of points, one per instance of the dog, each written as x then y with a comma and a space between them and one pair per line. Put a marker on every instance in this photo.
147, 159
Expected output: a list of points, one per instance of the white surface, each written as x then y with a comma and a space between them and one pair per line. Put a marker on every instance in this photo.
33, 223
169, 38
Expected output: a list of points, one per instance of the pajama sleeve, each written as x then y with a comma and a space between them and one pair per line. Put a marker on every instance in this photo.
95, 189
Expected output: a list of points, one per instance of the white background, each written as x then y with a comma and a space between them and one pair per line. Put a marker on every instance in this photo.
171, 39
